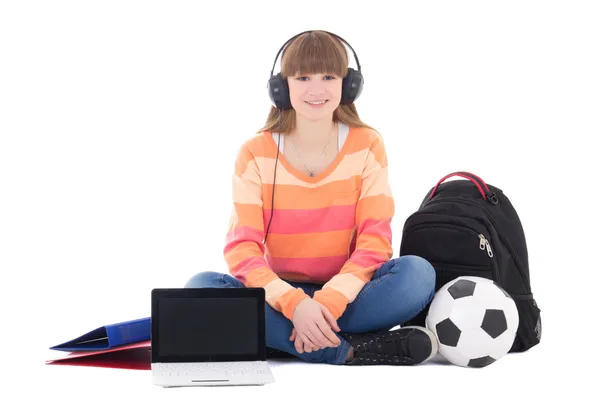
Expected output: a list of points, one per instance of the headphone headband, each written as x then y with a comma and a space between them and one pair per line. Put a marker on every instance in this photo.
302, 33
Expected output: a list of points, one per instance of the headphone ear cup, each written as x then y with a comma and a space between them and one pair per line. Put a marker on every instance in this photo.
279, 92
352, 86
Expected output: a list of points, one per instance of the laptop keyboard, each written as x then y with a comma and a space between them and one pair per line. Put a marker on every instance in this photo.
230, 369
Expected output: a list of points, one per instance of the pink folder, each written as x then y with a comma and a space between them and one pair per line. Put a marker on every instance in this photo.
132, 356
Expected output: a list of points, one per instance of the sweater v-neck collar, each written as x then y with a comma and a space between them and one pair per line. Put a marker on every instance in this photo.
343, 131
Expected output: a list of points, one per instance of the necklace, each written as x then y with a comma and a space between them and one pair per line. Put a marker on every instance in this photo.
312, 171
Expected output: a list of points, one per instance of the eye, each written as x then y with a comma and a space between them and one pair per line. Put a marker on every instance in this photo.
327, 77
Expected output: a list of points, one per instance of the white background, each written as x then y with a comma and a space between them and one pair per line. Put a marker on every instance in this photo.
120, 120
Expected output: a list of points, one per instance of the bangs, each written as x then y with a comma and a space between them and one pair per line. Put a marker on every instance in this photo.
314, 53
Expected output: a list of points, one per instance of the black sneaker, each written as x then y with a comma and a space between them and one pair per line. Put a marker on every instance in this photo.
408, 345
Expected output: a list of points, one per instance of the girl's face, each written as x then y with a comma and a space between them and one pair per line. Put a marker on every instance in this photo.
315, 96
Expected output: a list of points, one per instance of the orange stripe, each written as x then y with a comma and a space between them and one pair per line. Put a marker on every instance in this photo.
376, 227
292, 197
361, 139
362, 273
241, 252
378, 151
243, 159
260, 277
376, 244
375, 207
288, 302
244, 268
310, 245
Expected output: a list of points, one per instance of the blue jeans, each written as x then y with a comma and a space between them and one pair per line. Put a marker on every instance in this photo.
398, 291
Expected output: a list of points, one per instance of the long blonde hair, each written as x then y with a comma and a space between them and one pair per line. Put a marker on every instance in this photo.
312, 53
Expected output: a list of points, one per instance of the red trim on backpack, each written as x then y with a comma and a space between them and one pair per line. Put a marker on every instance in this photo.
481, 180
466, 176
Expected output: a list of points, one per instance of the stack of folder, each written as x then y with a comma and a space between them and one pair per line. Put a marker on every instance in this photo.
123, 345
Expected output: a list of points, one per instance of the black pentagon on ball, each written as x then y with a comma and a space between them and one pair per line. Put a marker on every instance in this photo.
501, 288
462, 288
448, 333
481, 362
494, 323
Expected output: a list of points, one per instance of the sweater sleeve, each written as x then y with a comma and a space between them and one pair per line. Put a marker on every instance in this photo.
374, 212
244, 248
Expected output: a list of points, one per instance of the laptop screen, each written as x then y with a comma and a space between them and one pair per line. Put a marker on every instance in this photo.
198, 327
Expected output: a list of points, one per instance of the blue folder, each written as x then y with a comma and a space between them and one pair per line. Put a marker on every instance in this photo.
110, 336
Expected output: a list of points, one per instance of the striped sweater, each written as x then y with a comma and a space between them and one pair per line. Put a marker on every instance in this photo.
333, 228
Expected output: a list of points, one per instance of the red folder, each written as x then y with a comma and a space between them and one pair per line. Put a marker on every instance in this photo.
132, 356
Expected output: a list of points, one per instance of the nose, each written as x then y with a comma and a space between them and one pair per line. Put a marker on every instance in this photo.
316, 87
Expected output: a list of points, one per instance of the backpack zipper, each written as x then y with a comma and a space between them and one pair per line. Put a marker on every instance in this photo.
493, 221
484, 244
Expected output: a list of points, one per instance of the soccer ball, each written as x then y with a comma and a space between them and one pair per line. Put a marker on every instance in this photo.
475, 321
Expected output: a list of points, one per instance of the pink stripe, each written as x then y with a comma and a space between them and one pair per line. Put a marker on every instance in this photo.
248, 265
242, 234
310, 221
376, 227
367, 258
319, 269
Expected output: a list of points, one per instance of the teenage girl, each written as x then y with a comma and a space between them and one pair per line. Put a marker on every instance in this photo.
311, 221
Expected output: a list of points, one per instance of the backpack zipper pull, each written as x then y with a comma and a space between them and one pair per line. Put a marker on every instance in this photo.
485, 245
489, 249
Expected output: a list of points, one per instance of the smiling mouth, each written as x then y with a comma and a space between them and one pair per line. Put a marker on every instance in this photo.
316, 103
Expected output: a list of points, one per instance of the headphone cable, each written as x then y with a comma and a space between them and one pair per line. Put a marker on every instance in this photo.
274, 177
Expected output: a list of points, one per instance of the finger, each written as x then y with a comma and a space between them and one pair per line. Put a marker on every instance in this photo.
299, 344
316, 336
322, 339
330, 318
307, 348
327, 328
293, 336
303, 347
328, 333
308, 337
308, 344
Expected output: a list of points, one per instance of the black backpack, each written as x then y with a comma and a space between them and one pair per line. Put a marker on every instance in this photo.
467, 227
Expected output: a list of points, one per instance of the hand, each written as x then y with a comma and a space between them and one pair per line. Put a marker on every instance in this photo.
300, 345
313, 325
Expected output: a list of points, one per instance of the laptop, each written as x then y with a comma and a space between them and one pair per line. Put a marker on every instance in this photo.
209, 337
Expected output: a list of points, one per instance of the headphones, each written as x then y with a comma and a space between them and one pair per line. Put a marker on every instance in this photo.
279, 91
